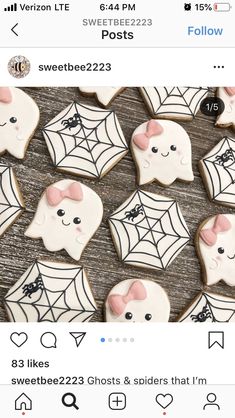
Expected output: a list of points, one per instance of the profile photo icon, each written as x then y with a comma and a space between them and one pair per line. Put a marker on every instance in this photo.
187, 7
19, 66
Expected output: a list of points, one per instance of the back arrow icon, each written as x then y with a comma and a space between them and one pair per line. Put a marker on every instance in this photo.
12, 29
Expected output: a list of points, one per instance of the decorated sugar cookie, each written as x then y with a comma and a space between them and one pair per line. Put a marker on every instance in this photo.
19, 118
104, 95
227, 118
137, 301
11, 201
85, 140
209, 307
177, 103
218, 172
162, 151
68, 215
148, 230
216, 246
51, 292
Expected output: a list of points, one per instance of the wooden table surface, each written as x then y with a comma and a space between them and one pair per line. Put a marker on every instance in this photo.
182, 279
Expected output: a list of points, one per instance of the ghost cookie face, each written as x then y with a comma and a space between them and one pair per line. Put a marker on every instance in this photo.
215, 243
68, 215
103, 95
162, 152
227, 118
137, 301
19, 117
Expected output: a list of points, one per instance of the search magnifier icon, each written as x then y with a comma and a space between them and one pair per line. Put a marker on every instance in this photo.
69, 400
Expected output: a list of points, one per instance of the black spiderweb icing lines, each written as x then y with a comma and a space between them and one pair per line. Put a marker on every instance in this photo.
94, 138
167, 106
153, 231
10, 205
54, 307
210, 302
210, 164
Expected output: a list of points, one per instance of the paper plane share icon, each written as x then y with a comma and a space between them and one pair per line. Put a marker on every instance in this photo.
78, 336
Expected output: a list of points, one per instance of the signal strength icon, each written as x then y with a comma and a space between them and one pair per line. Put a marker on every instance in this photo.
12, 8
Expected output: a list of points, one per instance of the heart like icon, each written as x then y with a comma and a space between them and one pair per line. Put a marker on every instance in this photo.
19, 339
164, 400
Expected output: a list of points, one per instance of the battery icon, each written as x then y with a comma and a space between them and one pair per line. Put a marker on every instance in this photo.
222, 7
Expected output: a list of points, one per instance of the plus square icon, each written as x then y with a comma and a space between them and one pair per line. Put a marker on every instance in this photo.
117, 401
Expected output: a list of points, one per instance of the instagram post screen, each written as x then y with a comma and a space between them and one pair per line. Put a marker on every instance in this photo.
117, 209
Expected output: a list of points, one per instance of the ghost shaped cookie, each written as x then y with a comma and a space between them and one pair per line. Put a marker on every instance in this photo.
136, 300
162, 152
227, 118
215, 242
103, 95
67, 216
19, 118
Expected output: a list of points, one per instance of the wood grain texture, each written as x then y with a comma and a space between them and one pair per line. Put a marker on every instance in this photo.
182, 279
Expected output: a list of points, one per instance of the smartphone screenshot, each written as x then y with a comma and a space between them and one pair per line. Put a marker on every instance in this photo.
117, 209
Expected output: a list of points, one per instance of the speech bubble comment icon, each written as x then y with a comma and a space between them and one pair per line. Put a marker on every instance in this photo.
48, 340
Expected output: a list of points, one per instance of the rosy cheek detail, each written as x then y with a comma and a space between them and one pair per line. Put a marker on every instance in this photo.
218, 258
79, 229
17, 127
179, 152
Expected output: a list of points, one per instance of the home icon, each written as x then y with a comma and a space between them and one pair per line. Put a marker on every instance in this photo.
23, 402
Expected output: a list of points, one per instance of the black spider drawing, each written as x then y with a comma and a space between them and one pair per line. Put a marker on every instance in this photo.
133, 213
71, 122
29, 289
227, 156
202, 316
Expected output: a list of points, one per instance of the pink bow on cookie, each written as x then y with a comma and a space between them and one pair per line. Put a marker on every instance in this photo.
221, 224
230, 90
142, 140
55, 196
5, 95
118, 303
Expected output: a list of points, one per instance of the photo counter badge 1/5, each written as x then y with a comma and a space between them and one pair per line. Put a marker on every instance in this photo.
148, 230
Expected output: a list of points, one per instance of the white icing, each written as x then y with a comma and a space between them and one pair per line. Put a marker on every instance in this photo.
166, 165
225, 269
11, 203
210, 307
226, 118
14, 137
61, 232
156, 304
105, 95
148, 230
85, 140
174, 102
218, 168
63, 294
